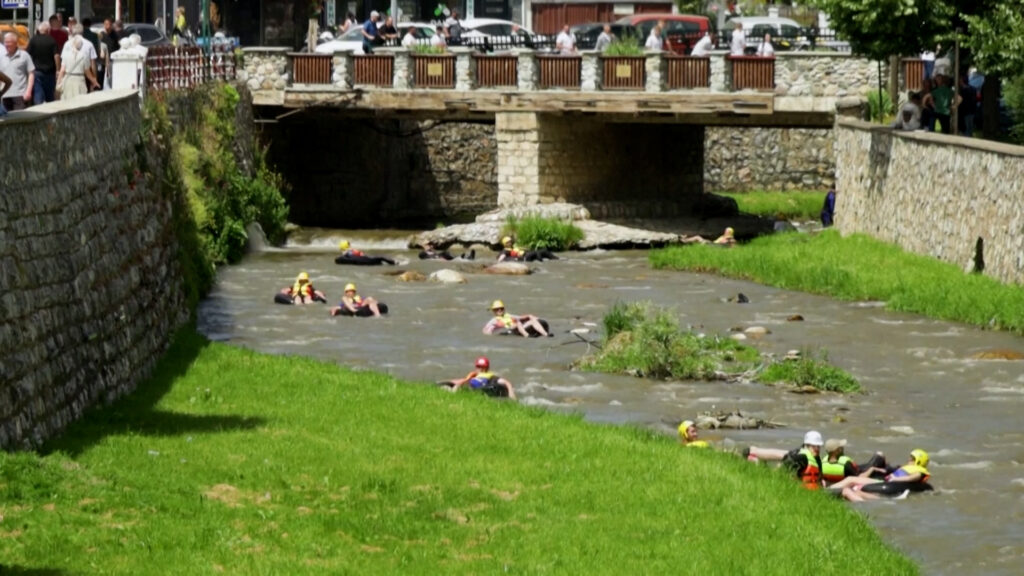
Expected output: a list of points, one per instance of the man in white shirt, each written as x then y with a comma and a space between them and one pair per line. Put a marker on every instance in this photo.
654, 42
703, 46
928, 58
437, 39
565, 43
409, 40
604, 39
766, 50
739, 41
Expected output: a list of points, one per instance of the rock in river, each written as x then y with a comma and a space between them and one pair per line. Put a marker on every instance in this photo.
411, 276
509, 269
447, 277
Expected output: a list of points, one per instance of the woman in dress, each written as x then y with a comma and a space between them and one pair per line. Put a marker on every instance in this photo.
74, 71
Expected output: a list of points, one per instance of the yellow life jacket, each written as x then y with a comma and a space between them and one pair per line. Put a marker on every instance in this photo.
698, 444
508, 320
300, 289
834, 471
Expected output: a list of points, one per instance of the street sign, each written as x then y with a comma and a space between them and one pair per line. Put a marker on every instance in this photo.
14, 4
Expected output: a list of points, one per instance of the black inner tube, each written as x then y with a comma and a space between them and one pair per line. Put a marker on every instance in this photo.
530, 330
363, 260
493, 390
364, 311
895, 488
282, 298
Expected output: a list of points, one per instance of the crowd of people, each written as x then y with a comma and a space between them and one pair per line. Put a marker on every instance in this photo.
931, 108
59, 62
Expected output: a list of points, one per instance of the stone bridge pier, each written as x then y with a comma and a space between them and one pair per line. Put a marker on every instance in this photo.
614, 168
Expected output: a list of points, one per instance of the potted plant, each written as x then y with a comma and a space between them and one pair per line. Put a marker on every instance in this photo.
623, 65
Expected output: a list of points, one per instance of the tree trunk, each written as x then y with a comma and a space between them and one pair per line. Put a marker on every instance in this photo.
894, 81
990, 107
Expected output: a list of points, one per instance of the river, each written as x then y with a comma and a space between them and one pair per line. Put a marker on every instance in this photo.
923, 388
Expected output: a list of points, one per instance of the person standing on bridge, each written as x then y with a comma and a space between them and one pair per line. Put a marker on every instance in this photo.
704, 46
371, 37
565, 43
604, 39
654, 42
18, 66
766, 50
738, 45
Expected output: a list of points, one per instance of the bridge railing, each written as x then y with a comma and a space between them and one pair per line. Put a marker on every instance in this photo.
185, 67
801, 74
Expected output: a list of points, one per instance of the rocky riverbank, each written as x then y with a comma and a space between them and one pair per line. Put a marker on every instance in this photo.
486, 230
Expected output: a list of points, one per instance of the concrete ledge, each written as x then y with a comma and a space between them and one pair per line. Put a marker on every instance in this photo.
936, 138
73, 106
266, 50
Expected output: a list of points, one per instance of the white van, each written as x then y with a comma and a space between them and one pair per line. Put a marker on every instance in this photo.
786, 34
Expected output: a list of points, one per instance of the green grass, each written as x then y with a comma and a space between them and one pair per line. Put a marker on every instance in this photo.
858, 267
539, 233
239, 462
780, 205
811, 371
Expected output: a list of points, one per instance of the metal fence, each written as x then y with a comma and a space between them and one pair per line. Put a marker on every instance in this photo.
185, 67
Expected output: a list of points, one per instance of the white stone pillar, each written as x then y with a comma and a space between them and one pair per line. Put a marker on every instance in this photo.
527, 70
402, 66
343, 68
517, 135
655, 71
718, 75
465, 71
590, 71
128, 71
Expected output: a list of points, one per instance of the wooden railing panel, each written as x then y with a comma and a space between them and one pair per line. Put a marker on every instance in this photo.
433, 71
373, 70
752, 73
623, 72
497, 71
687, 72
913, 73
311, 68
559, 72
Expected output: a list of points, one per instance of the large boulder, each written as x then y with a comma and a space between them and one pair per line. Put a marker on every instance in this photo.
508, 269
447, 277
411, 276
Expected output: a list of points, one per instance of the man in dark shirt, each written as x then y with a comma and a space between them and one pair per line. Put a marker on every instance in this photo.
370, 34
967, 108
46, 58
91, 36
57, 31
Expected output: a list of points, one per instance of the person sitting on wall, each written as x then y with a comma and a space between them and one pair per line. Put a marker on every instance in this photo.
909, 117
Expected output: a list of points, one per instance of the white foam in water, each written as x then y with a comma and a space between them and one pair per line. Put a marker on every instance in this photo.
534, 370
1018, 482
1002, 390
981, 465
574, 389
535, 401
909, 431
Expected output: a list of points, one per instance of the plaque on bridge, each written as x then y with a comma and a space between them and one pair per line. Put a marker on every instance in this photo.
435, 69
623, 71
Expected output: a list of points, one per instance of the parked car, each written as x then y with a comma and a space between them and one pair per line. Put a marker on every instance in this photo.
352, 39
150, 34
683, 30
586, 34
476, 27
786, 34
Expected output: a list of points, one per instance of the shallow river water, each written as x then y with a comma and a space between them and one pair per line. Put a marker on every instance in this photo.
923, 388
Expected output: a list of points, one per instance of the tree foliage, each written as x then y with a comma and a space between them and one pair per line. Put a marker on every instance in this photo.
996, 38
882, 28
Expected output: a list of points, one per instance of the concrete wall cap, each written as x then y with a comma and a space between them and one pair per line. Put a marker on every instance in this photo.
73, 106
266, 50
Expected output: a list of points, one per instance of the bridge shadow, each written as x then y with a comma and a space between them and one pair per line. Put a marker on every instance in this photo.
137, 414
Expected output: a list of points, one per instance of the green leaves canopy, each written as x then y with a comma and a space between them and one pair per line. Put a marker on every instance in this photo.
881, 28
997, 38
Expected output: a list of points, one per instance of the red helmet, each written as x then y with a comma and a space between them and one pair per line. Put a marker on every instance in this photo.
483, 363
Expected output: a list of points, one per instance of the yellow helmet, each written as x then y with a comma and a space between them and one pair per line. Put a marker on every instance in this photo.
343, 245
350, 286
729, 232
497, 304
506, 240
303, 277
920, 457
684, 427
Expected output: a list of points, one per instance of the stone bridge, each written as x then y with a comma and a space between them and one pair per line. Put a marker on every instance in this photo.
569, 128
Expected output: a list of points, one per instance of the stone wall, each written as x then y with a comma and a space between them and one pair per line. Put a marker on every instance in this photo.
837, 75
365, 172
90, 291
933, 194
740, 159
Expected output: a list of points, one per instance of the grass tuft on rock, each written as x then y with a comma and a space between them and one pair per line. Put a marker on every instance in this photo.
812, 371
539, 233
228, 460
858, 267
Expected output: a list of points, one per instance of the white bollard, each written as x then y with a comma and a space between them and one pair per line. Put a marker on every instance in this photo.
128, 71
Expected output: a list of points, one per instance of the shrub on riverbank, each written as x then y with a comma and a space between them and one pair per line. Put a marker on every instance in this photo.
266, 464
537, 233
858, 267
795, 205
810, 371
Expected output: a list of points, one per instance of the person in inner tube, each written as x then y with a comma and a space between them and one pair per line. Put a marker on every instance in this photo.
482, 378
728, 238
510, 251
354, 302
303, 292
688, 435
915, 471
505, 321
347, 250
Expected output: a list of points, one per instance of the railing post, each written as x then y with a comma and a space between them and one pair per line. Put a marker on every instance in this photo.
719, 75
465, 73
402, 68
590, 71
655, 69
527, 70
342, 75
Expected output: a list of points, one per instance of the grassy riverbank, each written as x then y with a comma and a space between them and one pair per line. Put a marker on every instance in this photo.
794, 205
858, 267
245, 463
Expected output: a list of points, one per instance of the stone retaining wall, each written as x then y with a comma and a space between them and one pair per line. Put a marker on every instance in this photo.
933, 194
739, 159
89, 288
